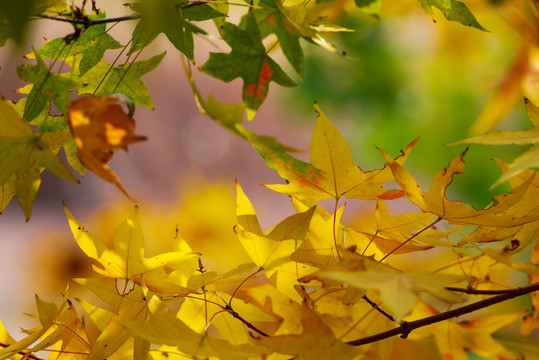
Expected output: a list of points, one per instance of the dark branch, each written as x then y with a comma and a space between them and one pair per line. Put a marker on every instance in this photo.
25, 353
480, 292
407, 327
90, 22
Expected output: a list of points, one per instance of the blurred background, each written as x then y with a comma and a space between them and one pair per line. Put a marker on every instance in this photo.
404, 76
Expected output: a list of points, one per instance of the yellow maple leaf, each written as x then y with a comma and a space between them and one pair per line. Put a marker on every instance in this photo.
332, 172
454, 339
271, 250
316, 341
165, 273
456, 212
528, 159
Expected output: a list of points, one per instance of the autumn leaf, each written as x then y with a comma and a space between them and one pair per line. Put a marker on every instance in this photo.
128, 306
527, 160
24, 154
271, 250
364, 273
399, 234
166, 273
99, 126
166, 328
332, 172
248, 60
456, 212
520, 235
454, 339
316, 341
195, 312
57, 324
531, 321
318, 247
453, 10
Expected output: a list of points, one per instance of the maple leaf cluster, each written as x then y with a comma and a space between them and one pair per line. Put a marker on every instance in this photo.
313, 287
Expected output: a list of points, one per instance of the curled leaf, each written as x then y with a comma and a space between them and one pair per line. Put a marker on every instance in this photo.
99, 126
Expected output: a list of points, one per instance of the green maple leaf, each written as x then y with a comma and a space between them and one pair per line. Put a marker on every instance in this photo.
105, 78
167, 17
453, 10
45, 86
56, 125
24, 154
271, 19
248, 60
90, 46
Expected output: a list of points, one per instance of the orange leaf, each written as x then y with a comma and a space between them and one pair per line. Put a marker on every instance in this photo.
99, 126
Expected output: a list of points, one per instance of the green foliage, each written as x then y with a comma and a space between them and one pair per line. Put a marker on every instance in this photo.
324, 288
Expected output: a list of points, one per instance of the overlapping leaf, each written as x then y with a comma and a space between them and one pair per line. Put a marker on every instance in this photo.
454, 339
521, 235
46, 86
170, 18
86, 50
332, 172
434, 201
271, 250
166, 328
60, 326
24, 154
365, 273
317, 341
527, 160
166, 273
248, 60
128, 306
104, 78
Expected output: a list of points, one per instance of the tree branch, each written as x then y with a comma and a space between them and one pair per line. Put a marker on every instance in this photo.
407, 327
90, 22
479, 292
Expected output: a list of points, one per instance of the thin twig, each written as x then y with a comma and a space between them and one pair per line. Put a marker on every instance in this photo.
26, 353
407, 327
377, 308
248, 324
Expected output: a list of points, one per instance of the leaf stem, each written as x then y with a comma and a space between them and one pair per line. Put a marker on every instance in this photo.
335, 228
438, 219
406, 327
